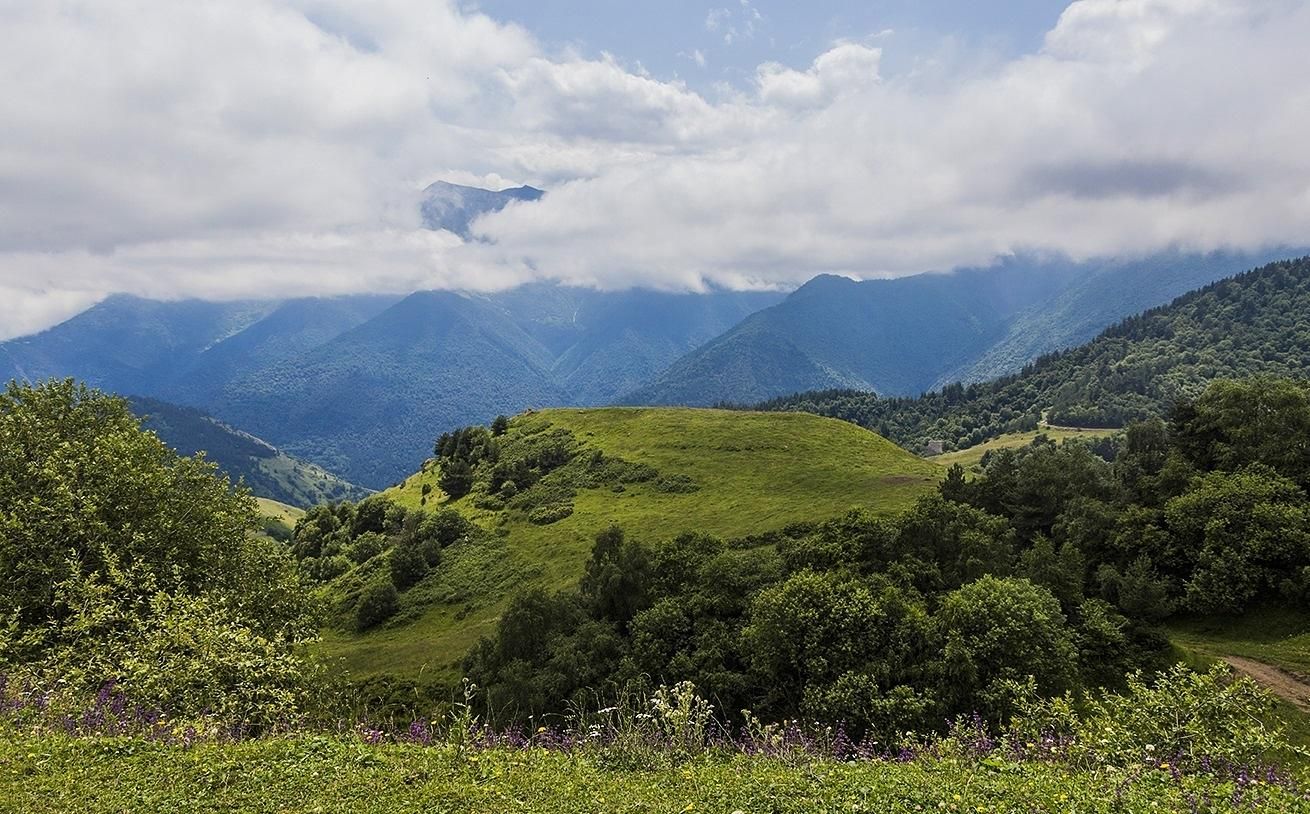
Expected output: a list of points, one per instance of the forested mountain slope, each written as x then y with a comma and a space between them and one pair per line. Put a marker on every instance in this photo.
361, 384
1096, 301
268, 471
908, 335
1255, 323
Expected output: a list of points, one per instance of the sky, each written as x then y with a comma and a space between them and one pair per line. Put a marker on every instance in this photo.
274, 148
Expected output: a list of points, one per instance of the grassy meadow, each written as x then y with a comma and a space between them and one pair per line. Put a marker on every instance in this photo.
972, 457
53, 775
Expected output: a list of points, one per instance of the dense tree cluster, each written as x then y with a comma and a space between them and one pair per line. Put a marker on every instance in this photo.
120, 560
534, 468
395, 547
1048, 571
1251, 324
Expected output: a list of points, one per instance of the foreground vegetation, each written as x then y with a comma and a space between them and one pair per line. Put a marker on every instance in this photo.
995, 645
1195, 743
57, 774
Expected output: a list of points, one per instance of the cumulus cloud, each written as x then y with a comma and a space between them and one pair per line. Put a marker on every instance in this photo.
276, 147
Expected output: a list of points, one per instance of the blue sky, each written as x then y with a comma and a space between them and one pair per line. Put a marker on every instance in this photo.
665, 36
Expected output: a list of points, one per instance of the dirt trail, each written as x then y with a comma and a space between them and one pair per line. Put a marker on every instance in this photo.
1290, 688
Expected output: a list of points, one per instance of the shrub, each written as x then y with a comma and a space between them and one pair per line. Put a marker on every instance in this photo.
408, 564
676, 484
1200, 719
379, 602
456, 478
366, 546
545, 515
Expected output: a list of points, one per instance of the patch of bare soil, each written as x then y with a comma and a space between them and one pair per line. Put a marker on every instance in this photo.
1291, 688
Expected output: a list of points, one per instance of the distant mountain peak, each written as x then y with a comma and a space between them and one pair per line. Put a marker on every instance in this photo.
454, 207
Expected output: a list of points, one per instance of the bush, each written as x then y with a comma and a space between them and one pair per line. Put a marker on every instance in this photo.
366, 546
996, 632
408, 564
379, 602
456, 478
1196, 719
545, 515
196, 656
676, 484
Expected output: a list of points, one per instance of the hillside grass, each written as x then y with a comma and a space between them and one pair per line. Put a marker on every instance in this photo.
972, 457
45, 775
279, 511
755, 472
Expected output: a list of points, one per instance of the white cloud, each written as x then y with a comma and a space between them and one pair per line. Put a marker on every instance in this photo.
846, 68
275, 147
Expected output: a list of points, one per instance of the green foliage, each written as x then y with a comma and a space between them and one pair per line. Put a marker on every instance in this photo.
614, 582
889, 624
408, 565
1182, 717
122, 561
377, 604
81, 483
817, 638
1245, 532
999, 632
545, 515
676, 484
456, 478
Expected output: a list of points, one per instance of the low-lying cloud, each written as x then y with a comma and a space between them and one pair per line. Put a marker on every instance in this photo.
276, 147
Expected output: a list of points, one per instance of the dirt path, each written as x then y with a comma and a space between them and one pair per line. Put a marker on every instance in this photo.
1281, 683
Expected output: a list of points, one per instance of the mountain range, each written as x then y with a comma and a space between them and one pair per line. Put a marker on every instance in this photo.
909, 335
1253, 324
361, 385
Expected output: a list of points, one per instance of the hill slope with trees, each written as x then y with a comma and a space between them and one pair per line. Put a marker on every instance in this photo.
519, 505
1255, 323
267, 471
904, 336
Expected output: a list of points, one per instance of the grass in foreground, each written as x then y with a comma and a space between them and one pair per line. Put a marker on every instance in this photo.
755, 472
319, 774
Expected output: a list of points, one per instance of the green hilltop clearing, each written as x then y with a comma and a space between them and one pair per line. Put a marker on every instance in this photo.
726, 473
971, 458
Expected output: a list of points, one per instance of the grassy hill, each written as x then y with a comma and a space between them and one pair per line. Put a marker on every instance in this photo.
730, 474
972, 457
